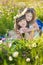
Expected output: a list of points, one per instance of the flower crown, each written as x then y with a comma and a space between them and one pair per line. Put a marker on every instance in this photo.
21, 14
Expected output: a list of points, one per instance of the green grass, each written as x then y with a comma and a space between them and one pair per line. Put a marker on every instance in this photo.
20, 51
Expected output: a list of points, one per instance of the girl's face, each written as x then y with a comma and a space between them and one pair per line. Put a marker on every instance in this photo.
29, 16
22, 23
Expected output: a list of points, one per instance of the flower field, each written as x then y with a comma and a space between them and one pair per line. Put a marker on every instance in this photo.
22, 52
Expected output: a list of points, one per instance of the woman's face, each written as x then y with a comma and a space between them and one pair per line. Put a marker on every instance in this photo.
29, 16
22, 23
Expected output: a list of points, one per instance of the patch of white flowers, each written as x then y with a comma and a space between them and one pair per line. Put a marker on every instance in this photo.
34, 45
28, 60
15, 54
10, 58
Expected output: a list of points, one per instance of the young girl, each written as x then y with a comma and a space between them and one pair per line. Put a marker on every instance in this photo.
31, 23
21, 26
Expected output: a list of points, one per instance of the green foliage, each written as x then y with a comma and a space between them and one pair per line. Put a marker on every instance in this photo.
6, 18
39, 13
22, 52
2, 28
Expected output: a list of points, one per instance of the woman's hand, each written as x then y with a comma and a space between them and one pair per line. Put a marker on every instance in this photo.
18, 32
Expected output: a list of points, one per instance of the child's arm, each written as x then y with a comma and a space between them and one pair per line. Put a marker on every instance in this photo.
35, 27
31, 35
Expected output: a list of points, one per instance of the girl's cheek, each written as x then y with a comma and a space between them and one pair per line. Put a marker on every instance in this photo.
21, 25
30, 18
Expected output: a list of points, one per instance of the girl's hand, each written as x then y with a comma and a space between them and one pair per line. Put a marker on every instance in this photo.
25, 30
18, 32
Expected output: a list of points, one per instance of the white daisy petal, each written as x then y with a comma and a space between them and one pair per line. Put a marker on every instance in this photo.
28, 60
15, 54
10, 58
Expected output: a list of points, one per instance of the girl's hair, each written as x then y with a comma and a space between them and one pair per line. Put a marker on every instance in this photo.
17, 26
19, 20
31, 10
